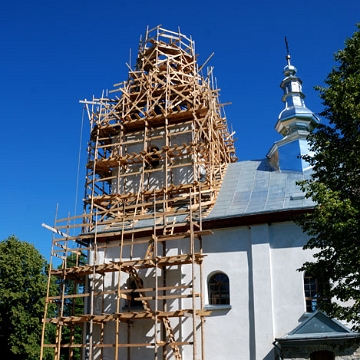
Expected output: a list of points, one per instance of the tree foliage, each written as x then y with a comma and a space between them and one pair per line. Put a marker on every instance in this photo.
334, 226
23, 284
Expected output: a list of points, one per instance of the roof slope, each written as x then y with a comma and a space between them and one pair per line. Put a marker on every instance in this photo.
318, 326
255, 187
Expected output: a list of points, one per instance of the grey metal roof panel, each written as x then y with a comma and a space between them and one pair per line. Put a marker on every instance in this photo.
316, 327
253, 187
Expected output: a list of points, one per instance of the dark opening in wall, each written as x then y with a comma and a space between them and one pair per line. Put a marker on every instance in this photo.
152, 160
135, 294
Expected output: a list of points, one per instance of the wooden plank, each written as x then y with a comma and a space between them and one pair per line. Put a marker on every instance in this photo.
126, 265
164, 297
134, 315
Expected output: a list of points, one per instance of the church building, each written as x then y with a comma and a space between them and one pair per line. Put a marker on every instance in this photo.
184, 252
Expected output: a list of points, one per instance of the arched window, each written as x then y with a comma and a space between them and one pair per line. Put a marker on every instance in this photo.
219, 289
322, 355
314, 291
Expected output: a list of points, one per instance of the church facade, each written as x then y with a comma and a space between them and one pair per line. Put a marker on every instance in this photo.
190, 254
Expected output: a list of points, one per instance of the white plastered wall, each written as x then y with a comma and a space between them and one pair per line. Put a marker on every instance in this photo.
266, 290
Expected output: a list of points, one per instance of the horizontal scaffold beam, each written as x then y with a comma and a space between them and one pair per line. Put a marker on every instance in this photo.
126, 265
126, 316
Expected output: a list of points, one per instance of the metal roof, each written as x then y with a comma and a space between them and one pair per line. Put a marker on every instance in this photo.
255, 187
318, 326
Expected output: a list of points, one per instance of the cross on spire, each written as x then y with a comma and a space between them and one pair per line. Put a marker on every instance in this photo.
287, 46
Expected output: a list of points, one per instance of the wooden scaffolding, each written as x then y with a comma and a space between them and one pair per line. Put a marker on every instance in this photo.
129, 284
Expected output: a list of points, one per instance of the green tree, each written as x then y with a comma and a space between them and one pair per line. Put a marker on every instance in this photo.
23, 284
334, 225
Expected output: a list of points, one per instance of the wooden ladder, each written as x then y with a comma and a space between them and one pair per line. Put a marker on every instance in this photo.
171, 338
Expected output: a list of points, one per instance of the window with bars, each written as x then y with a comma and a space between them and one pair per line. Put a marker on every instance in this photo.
219, 289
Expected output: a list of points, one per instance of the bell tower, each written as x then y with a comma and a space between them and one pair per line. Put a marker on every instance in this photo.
163, 132
158, 150
295, 123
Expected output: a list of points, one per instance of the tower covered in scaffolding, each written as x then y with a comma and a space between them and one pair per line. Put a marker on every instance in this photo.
158, 150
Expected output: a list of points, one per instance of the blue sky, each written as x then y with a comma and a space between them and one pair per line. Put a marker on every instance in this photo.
55, 53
